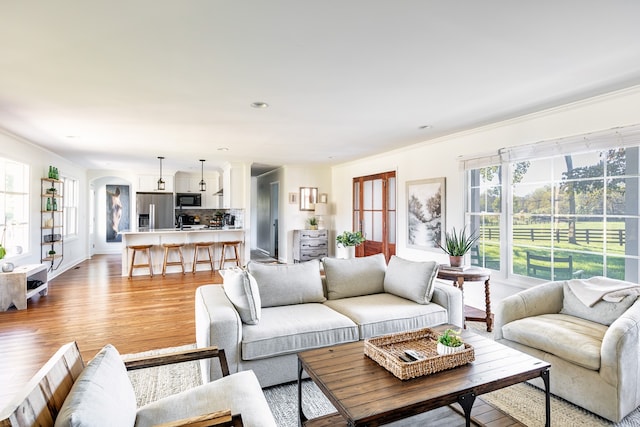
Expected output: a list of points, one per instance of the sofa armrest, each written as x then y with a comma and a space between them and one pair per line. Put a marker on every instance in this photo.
541, 299
449, 297
619, 363
218, 418
217, 324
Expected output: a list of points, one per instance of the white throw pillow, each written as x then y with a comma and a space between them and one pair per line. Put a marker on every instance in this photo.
288, 284
242, 290
412, 280
354, 277
101, 396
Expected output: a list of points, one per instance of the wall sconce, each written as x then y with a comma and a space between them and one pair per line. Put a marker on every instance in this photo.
203, 185
160, 181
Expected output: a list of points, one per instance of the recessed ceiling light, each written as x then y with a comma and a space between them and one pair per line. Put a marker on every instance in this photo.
223, 149
425, 127
259, 104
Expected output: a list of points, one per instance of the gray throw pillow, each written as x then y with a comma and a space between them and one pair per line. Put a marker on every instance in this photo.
354, 277
603, 312
101, 396
287, 284
242, 290
410, 279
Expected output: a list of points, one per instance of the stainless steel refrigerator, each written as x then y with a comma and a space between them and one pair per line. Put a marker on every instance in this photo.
155, 210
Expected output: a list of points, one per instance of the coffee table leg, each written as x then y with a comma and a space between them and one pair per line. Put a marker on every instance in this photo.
466, 401
301, 416
547, 397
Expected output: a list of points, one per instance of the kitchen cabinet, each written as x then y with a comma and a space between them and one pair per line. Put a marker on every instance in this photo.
190, 183
147, 183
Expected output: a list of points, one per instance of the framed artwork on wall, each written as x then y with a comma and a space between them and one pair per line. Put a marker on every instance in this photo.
117, 211
426, 213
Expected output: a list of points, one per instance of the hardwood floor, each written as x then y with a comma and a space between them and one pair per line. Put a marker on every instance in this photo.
94, 305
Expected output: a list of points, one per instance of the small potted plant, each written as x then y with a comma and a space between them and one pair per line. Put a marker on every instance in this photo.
449, 342
52, 253
347, 242
51, 190
313, 223
456, 245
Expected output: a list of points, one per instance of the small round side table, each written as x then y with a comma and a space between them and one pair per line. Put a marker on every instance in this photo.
472, 274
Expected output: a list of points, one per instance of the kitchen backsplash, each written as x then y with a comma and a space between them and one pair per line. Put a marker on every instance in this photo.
204, 216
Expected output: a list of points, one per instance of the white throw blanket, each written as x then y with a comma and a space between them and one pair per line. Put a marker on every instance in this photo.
602, 288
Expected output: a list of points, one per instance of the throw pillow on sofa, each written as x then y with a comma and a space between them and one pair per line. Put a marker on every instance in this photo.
354, 277
287, 284
410, 279
242, 290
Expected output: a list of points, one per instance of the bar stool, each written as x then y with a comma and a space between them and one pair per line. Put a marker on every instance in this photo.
172, 246
136, 249
223, 257
203, 245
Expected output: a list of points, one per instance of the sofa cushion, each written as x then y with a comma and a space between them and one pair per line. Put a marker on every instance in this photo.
380, 314
604, 312
290, 329
102, 395
568, 337
410, 279
239, 392
354, 277
242, 290
287, 284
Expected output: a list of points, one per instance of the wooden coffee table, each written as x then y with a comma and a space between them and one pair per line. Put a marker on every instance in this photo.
366, 394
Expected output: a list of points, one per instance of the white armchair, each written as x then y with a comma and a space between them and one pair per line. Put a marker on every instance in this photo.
594, 351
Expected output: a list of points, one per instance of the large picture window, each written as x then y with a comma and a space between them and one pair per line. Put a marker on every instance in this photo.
14, 206
574, 214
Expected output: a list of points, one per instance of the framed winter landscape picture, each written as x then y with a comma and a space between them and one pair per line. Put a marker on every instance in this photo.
426, 213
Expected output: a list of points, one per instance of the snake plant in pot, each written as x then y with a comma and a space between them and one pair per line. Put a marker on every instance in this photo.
457, 244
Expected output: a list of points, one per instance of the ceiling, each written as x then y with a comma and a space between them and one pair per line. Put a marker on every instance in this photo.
114, 84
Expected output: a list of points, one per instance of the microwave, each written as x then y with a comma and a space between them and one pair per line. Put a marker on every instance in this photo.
188, 199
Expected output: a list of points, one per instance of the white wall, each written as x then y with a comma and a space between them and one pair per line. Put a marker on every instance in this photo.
291, 217
440, 157
39, 160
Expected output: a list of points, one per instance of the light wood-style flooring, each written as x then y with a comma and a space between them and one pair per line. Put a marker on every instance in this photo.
94, 305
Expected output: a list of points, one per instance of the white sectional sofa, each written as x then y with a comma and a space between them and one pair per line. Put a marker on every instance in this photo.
264, 315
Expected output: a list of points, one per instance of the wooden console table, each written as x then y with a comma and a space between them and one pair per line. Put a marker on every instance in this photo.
14, 289
473, 274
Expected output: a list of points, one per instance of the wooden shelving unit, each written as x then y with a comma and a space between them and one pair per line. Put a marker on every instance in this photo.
52, 222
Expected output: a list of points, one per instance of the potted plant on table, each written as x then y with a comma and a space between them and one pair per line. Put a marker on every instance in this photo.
449, 342
456, 245
347, 242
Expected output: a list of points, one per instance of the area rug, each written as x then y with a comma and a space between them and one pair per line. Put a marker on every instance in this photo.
522, 401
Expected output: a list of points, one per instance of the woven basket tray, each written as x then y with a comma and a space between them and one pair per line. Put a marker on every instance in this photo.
386, 351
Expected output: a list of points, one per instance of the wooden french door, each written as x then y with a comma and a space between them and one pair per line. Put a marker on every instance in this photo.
374, 213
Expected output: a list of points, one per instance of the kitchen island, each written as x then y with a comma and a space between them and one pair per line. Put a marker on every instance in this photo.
188, 236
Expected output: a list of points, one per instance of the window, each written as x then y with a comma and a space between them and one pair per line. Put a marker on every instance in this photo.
70, 214
557, 214
14, 206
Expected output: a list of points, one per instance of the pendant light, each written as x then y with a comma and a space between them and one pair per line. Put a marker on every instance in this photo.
203, 185
160, 181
